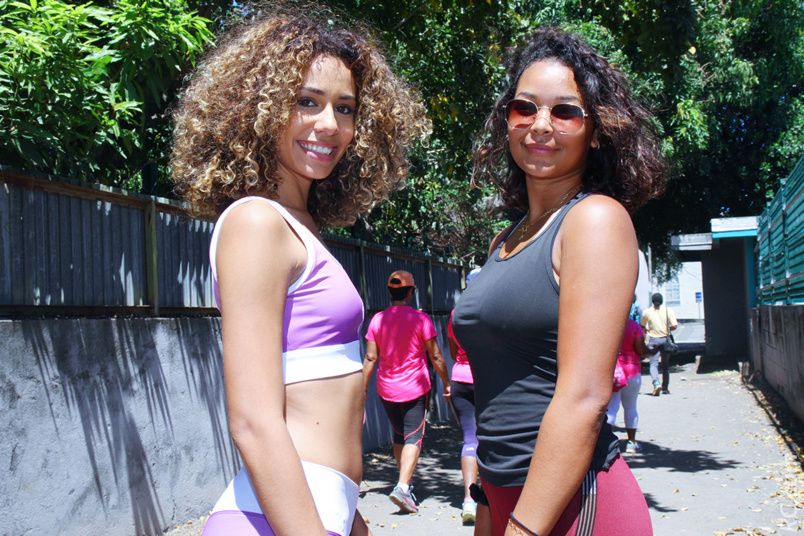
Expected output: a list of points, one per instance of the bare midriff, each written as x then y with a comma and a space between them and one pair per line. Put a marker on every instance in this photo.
325, 420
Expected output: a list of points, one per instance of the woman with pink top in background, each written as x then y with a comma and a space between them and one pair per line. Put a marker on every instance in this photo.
631, 350
463, 402
399, 339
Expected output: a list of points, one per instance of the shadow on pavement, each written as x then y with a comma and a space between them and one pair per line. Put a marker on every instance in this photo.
440, 461
434, 477
656, 506
786, 422
685, 461
708, 364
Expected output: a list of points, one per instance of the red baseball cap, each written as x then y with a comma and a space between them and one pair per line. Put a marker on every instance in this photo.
400, 279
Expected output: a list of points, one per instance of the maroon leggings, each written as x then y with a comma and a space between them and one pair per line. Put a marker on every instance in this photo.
608, 502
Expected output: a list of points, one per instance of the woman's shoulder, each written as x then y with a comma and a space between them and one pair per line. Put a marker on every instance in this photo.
254, 214
255, 225
375, 320
597, 215
598, 206
633, 327
649, 312
596, 234
423, 316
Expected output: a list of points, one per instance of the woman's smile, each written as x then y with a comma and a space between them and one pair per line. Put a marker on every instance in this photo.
320, 151
539, 148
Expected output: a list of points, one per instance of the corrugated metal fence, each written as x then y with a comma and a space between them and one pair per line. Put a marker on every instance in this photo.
780, 244
87, 250
67, 248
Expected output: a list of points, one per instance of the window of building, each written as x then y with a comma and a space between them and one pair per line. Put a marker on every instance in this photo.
672, 292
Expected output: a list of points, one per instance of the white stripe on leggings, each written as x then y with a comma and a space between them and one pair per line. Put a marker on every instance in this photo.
586, 517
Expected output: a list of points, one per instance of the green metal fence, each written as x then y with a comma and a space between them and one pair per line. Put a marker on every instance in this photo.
780, 244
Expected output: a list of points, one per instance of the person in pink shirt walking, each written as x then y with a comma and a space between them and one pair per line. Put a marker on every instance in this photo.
629, 361
398, 339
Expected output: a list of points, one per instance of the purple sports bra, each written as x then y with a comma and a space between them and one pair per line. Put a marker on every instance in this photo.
323, 310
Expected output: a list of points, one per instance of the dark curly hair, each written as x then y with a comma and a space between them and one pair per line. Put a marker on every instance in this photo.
238, 104
627, 166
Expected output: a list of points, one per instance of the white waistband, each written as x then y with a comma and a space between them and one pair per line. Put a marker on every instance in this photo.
321, 362
335, 496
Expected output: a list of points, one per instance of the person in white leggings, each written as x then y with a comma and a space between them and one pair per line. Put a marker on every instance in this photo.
631, 350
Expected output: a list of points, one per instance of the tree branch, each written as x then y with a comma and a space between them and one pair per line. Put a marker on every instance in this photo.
406, 19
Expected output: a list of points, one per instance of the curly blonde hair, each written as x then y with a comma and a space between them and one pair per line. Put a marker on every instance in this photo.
237, 107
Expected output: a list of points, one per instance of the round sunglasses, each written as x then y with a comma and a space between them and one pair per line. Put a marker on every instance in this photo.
565, 118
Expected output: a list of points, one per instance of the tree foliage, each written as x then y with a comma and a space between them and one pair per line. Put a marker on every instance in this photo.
445, 48
724, 79
84, 90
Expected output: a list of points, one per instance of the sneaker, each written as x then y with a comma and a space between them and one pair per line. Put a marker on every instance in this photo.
469, 511
656, 390
632, 447
404, 500
665, 391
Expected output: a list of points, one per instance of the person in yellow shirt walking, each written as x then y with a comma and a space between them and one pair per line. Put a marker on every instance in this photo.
658, 321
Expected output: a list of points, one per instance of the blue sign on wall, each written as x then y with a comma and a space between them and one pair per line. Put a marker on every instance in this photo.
698, 297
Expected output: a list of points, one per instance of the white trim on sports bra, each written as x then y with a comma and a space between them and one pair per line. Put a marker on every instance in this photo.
311, 363
303, 232
321, 362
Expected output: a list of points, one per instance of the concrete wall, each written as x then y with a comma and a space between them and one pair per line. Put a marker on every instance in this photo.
118, 426
111, 426
778, 350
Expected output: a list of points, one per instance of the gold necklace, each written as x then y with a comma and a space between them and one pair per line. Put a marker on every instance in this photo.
524, 227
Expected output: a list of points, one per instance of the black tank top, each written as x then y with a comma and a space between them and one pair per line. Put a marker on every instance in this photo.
507, 322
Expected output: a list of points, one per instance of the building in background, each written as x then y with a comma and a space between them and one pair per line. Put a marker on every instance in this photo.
728, 272
684, 292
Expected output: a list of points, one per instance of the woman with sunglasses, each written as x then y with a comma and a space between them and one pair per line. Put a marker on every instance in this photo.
542, 323
290, 125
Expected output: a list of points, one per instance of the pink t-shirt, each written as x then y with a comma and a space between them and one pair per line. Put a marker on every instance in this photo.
628, 358
461, 372
400, 332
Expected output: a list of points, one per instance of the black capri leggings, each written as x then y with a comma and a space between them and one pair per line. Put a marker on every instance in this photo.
407, 419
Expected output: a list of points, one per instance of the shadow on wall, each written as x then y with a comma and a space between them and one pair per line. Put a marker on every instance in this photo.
118, 426
124, 397
96, 387
202, 357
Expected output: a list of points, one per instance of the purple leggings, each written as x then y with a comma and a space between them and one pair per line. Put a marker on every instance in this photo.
463, 401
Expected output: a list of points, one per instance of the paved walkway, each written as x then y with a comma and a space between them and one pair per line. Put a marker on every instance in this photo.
712, 464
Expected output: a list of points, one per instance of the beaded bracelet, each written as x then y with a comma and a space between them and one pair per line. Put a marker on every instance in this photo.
518, 527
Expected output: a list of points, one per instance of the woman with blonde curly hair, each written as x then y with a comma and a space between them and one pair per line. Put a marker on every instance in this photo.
542, 322
291, 124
